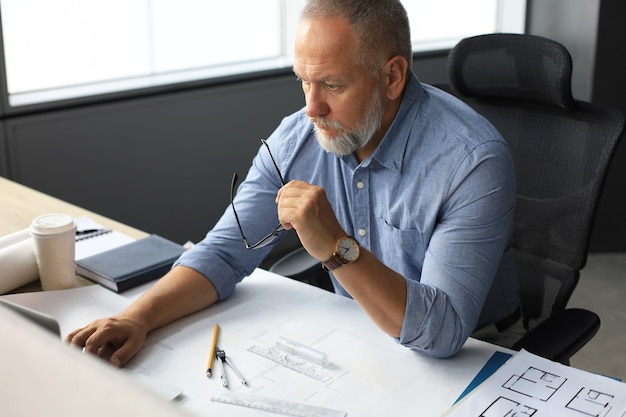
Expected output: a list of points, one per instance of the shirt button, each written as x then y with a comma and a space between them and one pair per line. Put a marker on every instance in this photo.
362, 232
360, 185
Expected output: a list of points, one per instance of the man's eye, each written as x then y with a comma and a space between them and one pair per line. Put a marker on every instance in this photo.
332, 87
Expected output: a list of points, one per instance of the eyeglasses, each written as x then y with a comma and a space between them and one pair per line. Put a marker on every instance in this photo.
270, 238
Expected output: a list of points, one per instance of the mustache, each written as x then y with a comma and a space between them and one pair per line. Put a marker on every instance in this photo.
325, 124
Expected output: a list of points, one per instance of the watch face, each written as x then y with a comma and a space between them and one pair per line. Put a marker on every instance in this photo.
348, 249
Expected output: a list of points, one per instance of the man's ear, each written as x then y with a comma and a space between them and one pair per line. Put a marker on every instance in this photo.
395, 73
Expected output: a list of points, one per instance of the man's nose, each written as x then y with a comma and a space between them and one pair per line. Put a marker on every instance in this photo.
316, 104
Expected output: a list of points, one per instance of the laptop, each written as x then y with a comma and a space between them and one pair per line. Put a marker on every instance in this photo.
167, 391
47, 322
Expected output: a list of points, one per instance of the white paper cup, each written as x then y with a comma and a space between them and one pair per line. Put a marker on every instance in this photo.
55, 246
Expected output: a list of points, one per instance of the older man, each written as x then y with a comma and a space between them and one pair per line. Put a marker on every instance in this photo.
401, 191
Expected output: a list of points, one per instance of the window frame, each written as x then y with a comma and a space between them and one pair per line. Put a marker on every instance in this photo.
159, 83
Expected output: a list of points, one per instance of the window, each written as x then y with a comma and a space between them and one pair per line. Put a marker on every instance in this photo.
442, 23
73, 48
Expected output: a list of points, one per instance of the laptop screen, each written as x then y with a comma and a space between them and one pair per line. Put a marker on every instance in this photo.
37, 317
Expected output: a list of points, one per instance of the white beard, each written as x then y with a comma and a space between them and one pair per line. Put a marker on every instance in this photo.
348, 141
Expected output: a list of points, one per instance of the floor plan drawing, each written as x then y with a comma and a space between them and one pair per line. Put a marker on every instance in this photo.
535, 383
505, 407
591, 402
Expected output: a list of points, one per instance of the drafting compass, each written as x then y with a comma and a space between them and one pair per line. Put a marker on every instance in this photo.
222, 361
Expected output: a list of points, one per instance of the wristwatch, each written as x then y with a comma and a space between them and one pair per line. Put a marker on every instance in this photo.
346, 251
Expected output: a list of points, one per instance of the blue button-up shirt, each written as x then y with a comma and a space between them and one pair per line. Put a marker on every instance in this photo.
434, 202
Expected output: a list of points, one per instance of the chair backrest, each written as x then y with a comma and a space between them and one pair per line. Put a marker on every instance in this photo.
561, 148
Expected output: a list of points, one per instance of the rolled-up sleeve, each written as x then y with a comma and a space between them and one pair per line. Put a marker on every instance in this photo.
222, 256
463, 254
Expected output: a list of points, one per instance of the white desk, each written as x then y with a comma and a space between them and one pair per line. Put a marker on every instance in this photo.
369, 375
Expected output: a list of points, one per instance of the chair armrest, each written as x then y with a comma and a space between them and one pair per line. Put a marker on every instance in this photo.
562, 335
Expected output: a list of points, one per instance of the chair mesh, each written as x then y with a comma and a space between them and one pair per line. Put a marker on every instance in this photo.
561, 149
512, 66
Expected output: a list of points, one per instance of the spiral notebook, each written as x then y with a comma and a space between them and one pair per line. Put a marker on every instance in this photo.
93, 238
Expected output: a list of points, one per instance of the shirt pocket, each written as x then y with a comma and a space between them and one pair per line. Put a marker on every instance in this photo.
401, 249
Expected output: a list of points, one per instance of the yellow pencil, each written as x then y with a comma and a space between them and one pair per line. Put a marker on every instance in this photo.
216, 331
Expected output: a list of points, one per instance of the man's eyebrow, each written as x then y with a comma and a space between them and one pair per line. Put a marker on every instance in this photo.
321, 80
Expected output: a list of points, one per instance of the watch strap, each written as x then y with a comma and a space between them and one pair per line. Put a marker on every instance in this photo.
334, 262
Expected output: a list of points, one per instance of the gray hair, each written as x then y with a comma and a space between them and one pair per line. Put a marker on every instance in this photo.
381, 28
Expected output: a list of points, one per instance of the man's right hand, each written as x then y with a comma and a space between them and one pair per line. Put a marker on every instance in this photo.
180, 292
117, 338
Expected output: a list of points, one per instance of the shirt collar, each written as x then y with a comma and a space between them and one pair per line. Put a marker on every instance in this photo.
390, 151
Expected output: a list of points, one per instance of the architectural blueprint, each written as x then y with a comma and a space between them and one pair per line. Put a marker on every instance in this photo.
531, 386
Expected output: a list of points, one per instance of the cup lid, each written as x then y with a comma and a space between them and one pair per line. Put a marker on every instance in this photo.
52, 223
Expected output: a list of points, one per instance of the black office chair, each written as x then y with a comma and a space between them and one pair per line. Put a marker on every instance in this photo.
561, 148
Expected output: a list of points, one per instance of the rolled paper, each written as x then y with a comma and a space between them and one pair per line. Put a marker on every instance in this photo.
14, 238
18, 265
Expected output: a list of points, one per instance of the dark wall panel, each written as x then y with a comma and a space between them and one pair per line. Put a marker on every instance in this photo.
609, 88
162, 164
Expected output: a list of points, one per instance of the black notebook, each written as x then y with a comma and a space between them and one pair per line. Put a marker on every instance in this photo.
130, 265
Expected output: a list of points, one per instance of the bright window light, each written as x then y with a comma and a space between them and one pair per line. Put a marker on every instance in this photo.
65, 49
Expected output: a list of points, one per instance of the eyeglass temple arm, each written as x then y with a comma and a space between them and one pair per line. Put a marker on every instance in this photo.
233, 184
264, 142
